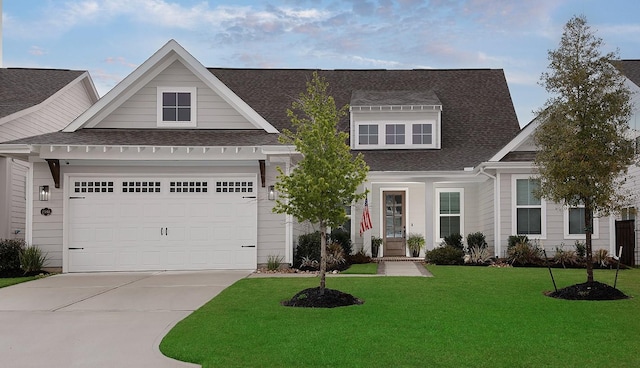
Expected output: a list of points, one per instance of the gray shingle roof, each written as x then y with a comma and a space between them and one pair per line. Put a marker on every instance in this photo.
22, 88
393, 98
630, 68
478, 117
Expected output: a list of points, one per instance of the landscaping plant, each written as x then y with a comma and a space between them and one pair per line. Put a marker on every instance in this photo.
10, 250
415, 242
446, 255
328, 175
454, 240
32, 259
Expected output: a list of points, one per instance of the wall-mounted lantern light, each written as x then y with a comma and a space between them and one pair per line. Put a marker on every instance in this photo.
44, 192
272, 193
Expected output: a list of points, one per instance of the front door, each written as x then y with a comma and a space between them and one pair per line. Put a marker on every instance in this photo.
394, 224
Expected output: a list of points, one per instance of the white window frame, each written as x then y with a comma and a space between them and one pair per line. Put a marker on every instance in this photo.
177, 124
437, 214
368, 135
408, 134
596, 226
514, 209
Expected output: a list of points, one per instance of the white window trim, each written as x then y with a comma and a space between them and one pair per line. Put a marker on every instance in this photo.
514, 210
177, 124
436, 232
596, 226
408, 134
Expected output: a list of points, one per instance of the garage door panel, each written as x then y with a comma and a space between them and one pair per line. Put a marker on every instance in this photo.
192, 227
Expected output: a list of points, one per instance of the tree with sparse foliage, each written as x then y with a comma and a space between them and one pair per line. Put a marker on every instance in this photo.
328, 175
583, 143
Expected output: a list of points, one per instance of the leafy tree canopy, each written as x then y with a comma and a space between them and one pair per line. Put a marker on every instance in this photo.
583, 139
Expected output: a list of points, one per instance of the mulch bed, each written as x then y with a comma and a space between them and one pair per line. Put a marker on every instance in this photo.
588, 291
312, 298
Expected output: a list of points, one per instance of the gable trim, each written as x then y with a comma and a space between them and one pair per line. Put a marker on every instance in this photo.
153, 66
522, 136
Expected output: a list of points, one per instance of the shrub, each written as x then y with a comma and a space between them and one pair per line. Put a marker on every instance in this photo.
415, 243
446, 255
581, 249
524, 254
273, 262
477, 255
476, 240
10, 250
601, 257
335, 258
565, 257
308, 247
517, 239
376, 242
307, 263
343, 238
454, 240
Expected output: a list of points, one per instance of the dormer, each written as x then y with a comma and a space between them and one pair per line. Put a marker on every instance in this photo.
395, 120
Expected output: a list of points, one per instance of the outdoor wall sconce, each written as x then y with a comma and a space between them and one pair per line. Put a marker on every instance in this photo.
272, 193
44, 192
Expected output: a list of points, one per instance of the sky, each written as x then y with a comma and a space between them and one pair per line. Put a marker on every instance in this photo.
110, 38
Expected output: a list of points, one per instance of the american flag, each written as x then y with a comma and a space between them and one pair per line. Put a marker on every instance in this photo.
365, 223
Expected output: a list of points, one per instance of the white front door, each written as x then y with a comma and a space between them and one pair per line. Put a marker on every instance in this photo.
161, 223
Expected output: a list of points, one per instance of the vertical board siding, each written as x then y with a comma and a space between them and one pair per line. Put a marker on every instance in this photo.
47, 230
486, 209
140, 110
271, 226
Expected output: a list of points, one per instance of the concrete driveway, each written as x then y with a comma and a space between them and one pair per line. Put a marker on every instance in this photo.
101, 319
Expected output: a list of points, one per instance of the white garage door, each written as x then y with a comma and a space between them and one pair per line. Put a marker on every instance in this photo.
161, 223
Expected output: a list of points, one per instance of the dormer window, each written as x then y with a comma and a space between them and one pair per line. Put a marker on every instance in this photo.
395, 120
176, 107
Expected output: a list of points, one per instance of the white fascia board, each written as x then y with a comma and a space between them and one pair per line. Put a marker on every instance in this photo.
507, 165
9, 149
519, 139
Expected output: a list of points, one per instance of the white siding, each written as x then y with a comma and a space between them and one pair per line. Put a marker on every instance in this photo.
140, 110
47, 230
51, 117
18, 200
271, 226
554, 221
486, 210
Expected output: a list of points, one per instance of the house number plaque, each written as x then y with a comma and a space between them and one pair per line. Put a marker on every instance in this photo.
45, 211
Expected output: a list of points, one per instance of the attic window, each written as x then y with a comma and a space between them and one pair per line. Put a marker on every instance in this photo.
176, 107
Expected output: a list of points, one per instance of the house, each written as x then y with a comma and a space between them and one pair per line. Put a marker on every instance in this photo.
33, 102
626, 227
174, 168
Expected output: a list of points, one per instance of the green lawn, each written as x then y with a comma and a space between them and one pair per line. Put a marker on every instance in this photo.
462, 317
14, 280
362, 269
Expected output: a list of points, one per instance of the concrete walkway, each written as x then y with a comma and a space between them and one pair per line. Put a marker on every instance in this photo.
101, 319
403, 268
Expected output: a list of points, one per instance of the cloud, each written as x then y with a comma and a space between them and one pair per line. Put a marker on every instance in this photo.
119, 60
37, 51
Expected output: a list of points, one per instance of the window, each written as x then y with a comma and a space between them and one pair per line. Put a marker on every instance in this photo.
368, 134
574, 225
394, 133
529, 210
628, 213
422, 133
176, 107
449, 219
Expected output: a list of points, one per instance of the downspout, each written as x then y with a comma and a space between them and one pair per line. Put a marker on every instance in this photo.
496, 211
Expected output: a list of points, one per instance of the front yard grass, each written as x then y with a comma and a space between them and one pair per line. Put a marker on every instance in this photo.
14, 280
462, 317
361, 269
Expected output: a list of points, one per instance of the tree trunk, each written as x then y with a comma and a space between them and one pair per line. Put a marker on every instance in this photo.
588, 224
323, 256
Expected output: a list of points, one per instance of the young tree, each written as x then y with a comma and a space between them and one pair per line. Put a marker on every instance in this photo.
328, 175
583, 142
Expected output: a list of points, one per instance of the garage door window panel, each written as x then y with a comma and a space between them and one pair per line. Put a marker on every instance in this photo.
234, 187
141, 187
93, 187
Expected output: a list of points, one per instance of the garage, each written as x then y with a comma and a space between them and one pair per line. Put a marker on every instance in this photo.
156, 222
